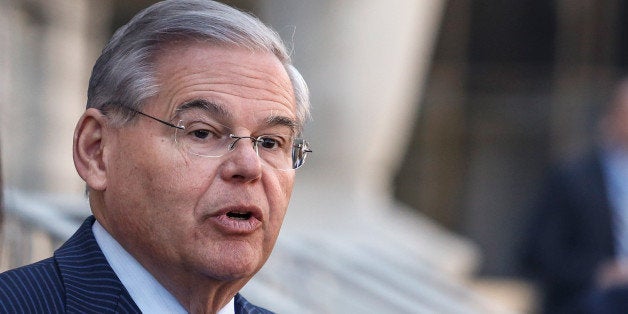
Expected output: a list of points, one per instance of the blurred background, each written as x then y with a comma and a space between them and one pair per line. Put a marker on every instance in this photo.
434, 123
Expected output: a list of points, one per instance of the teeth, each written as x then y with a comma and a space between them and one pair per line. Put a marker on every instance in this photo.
239, 215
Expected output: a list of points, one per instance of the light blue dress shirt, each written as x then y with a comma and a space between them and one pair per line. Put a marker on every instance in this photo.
149, 295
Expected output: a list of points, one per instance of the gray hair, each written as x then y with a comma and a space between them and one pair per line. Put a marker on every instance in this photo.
124, 73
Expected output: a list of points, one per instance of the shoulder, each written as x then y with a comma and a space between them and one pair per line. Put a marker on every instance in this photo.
243, 306
77, 279
32, 288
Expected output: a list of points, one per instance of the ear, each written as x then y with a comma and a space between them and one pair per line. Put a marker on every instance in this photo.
88, 149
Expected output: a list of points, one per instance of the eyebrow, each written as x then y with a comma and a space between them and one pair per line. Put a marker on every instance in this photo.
213, 108
276, 120
220, 112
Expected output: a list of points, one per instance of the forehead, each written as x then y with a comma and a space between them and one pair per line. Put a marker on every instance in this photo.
236, 78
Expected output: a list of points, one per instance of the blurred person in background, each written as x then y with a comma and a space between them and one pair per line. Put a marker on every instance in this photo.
577, 243
189, 146
1, 207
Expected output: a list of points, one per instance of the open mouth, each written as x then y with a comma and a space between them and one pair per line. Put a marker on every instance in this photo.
239, 215
238, 219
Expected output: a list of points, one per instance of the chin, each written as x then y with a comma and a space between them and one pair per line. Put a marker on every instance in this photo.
234, 263
233, 272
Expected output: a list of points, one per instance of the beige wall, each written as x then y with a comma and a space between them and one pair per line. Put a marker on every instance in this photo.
46, 51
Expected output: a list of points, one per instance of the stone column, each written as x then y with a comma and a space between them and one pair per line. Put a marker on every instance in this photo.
47, 47
365, 63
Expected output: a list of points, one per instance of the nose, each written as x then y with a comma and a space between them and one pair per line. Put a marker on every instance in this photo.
242, 164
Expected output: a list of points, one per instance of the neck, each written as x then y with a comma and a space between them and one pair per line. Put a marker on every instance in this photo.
197, 293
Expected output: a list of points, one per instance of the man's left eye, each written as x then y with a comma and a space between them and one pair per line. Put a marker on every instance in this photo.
267, 142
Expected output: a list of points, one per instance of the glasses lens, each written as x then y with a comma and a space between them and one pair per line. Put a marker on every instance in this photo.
276, 150
202, 138
300, 149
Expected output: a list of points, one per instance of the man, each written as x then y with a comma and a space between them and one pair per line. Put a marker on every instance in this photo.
578, 242
188, 147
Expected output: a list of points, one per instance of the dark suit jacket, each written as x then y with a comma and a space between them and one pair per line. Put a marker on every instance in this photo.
571, 234
77, 279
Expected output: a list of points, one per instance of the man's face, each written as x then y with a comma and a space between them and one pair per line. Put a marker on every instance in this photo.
175, 211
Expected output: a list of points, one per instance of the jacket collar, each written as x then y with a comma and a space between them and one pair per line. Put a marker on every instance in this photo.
90, 283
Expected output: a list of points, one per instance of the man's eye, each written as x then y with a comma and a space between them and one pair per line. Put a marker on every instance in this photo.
269, 143
202, 134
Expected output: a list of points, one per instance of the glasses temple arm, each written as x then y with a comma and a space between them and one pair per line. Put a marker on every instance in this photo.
158, 120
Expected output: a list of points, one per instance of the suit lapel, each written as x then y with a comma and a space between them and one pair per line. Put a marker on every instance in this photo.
90, 283
243, 306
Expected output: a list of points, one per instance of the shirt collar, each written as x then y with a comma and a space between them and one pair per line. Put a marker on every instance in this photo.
149, 295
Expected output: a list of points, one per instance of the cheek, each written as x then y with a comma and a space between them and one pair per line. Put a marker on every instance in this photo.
177, 186
279, 192
152, 180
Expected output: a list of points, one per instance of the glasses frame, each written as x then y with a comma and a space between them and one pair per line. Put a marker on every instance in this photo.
300, 147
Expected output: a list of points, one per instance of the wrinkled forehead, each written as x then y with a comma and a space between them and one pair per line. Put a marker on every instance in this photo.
230, 62
222, 79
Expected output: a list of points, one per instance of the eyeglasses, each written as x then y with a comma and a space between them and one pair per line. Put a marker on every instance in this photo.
201, 136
